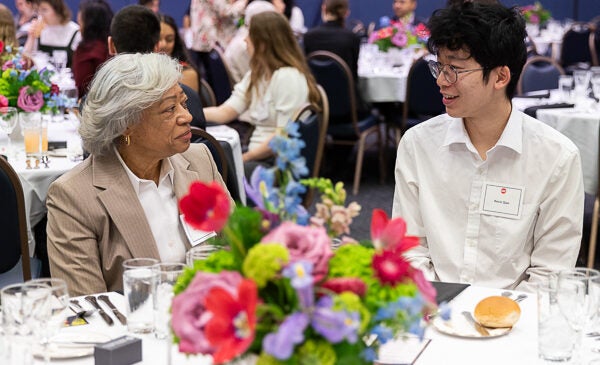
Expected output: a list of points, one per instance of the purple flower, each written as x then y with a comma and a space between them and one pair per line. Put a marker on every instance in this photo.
280, 344
30, 101
400, 39
334, 326
301, 279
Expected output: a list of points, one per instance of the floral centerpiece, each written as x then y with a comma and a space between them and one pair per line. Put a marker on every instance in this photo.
395, 34
535, 14
278, 292
24, 87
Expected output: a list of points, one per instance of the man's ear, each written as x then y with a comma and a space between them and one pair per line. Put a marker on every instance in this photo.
112, 50
503, 77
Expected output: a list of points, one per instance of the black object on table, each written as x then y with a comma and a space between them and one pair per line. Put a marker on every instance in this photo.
447, 291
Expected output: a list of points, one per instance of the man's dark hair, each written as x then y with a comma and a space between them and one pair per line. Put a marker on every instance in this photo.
135, 28
97, 16
493, 35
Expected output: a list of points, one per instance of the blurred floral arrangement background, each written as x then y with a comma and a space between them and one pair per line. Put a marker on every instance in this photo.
277, 292
395, 34
24, 86
535, 14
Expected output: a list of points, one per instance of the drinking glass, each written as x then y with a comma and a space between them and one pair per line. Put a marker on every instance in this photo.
167, 274
139, 288
577, 298
200, 252
8, 122
31, 126
565, 85
58, 305
59, 59
23, 305
596, 86
582, 82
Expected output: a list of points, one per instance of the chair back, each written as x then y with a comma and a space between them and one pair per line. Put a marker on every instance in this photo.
207, 95
202, 136
13, 224
575, 46
539, 73
595, 45
423, 97
334, 76
312, 126
218, 76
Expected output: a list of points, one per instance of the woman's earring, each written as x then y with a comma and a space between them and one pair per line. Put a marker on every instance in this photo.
127, 140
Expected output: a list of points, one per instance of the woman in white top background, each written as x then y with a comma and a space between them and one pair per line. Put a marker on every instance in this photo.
54, 30
278, 83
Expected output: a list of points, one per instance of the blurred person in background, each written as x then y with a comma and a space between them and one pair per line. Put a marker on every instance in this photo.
279, 82
53, 30
171, 43
26, 12
153, 5
295, 16
404, 12
7, 28
94, 18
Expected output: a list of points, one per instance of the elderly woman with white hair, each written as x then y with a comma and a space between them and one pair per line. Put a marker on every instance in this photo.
122, 201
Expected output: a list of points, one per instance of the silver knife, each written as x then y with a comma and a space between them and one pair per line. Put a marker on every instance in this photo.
116, 312
105, 316
482, 331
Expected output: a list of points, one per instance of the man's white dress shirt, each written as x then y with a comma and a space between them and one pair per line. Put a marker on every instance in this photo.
444, 191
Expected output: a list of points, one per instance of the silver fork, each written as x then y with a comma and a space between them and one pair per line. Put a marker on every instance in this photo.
79, 310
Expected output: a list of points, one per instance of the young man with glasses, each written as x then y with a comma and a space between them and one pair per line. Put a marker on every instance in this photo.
494, 195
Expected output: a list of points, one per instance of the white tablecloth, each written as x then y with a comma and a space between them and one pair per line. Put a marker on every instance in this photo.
581, 128
519, 346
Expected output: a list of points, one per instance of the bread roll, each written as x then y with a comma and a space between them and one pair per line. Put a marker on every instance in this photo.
497, 312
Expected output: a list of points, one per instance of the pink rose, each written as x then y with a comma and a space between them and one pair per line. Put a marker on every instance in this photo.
189, 314
30, 102
304, 243
3, 101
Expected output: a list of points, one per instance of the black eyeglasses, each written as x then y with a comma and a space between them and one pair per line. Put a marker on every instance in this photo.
450, 73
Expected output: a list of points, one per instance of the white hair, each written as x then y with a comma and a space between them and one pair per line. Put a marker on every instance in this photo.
121, 90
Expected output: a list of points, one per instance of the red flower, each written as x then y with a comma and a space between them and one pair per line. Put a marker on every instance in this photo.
390, 267
388, 233
54, 89
1, 46
206, 207
425, 288
340, 285
231, 329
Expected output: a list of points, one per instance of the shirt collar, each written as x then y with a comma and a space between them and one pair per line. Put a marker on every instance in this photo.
512, 136
166, 171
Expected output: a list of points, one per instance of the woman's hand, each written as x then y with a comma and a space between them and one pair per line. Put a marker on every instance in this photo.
37, 25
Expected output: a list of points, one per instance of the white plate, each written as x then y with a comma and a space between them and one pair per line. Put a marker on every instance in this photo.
460, 327
60, 348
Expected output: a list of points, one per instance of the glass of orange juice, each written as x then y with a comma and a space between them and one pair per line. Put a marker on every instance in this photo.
31, 126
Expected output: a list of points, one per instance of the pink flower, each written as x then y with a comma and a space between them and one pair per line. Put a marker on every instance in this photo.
390, 267
388, 233
206, 207
304, 243
400, 39
30, 101
3, 101
189, 313
425, 288
534, 19
340, 285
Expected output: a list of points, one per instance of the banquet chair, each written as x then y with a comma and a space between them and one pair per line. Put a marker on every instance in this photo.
595, 46
218, 76
576, 47
313, 131
539, 73
423, 98
345, 128
215, 148
207, 95
15, 263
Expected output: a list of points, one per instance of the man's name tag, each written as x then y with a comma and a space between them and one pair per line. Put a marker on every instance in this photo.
195, 236
502, 200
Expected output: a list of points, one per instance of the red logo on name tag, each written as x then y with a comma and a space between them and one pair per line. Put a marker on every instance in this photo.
503, 191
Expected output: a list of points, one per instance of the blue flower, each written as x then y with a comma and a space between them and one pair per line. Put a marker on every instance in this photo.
369, 354
416, 329
384, 21
445, 311
280, 344
383, 333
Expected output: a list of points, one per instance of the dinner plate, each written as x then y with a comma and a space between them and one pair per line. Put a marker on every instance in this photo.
64, 346
460, 327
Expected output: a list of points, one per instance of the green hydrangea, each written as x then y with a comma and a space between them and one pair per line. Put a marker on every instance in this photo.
264, 261
217, 261
266, 359
355, 261
316, 352
351, 302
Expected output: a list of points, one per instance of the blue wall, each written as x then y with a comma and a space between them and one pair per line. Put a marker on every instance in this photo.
371, 10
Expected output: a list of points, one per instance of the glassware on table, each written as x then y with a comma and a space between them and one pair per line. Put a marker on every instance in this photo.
556, 338
167, 274
200, 252
596, 85
58, 308
8, 121
23, 305
31, 127
581, 80
74, 148
139, 288
59, 59
565, 85
577, 297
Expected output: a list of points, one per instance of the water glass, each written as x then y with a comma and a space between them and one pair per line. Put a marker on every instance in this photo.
556, 338
74, 149
582, 82
565, 85
200, 252
59, 59
167, 274
8, 122
139, 285
596, 86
